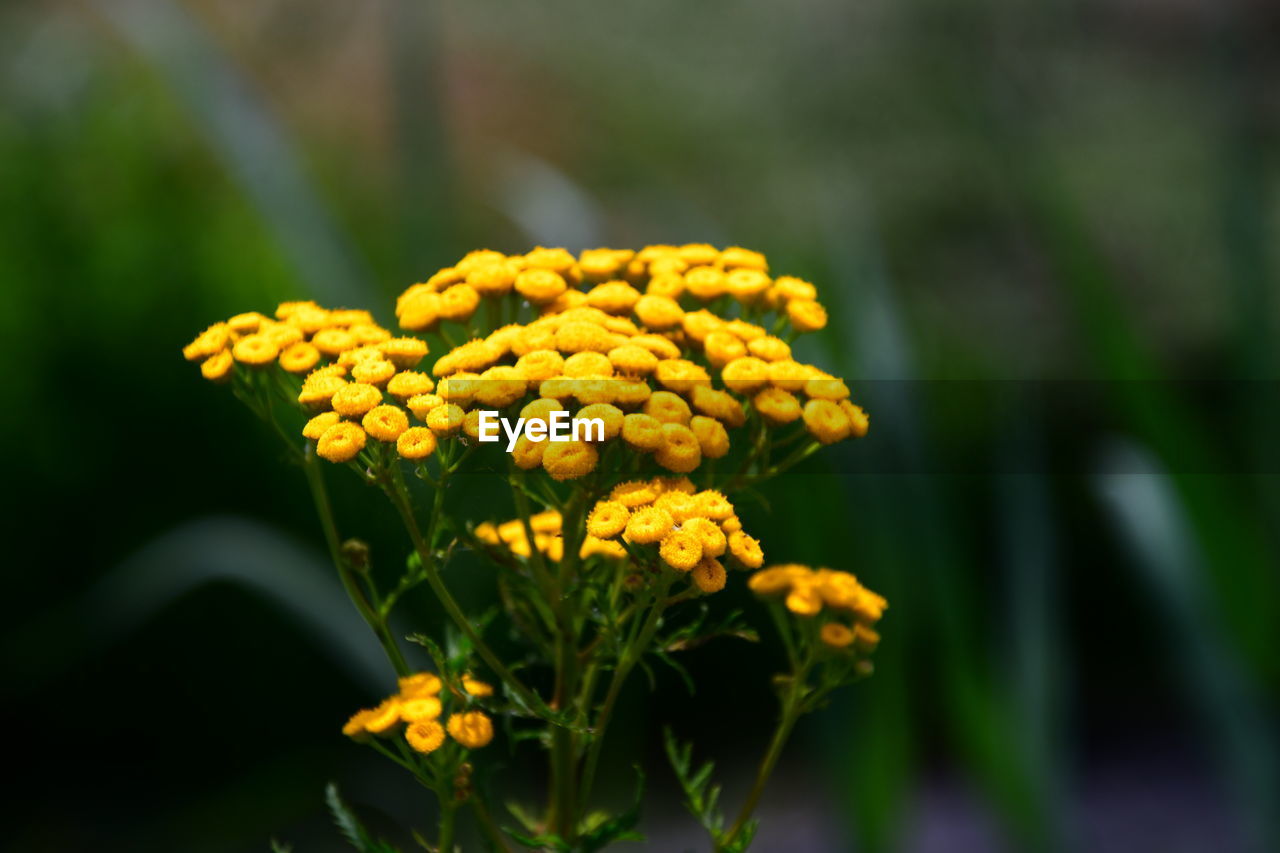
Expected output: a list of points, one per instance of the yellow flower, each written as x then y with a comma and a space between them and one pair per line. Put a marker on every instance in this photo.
681, 550
458, 302
732, 524
745, 549
709, 575
658, 312
569, 460
316, 426
408, 383
680, 451
603, 264
472, 729
608, 519
806, 315
616, 297
667, 407
355, 398
373, 371
385, 423
670, 285
719, 405
777, 406
559, 260
713, 440
418, 310
642, 432
341, 442
826, 388
420, 708
803, 600
588, 364
425, 736
681, 506
709, 535
540, 364
648, 525
333, 342
705, 283
859, 423
789, 287
383, 719
527, 453
420, 684
299, 357
493, 279
422, 404
317, 392
770, 582
825, 421
736, 257
404, 353
788, 375
354, 727
218, 367
632, 360
209, 342
658, 345
836, 635
499, 387
747, 285
681, 375
722, 348
583, 337
255, 350
674, 484
475, 687
769, 348
446, 419
540, 285
595, 546
633, 493
746, 374
865, 638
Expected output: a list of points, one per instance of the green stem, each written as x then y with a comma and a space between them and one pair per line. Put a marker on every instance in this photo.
448, 811
315, 480
487, 826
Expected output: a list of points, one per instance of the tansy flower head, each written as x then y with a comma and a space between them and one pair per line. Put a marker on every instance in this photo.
299, 357
681, 550
218, 367
416, 443
476, 687
353, 399
420, 684
472, 729
255, 350
316, 426
709, 575
648, 525
383, 719
569, 460
341, 442
680, 450
420, 708
708, 534
424, 735
385, 423
608, 519
836, 635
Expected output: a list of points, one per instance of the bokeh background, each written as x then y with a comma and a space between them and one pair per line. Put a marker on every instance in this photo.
1047, 236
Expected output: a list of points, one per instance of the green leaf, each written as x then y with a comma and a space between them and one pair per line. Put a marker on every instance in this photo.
350, 826
619, 828
280, 847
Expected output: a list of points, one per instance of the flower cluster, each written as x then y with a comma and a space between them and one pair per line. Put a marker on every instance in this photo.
415, 712
846, 608
548, 537
689, 530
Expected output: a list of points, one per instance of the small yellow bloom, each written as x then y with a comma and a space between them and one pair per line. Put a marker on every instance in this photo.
720, 405
837, 635
569, 460
333, 342
777, 406
770, 582
746, 285
425, 736
769, 348
648, 525
826, 388
859, 422
458, 302
633, 493
209, 342
355, 727
788, 375
667, 407
806, 315
709, 575
803, 600
865, 638
446, 419
595, 546
709, 535
373, 371
255, 350
420, 708
493, 279
385, 423
383, 719
583, 364
681, 506
615, 297
643, 432
608, 519
541, 364
746, 550
658, 345
218, 367
317, 392
705, 283
658, 312
722, 348
584, 337
713, 440
422, 404
826, 422
540, 286
341, 442
632, 360
355, 398
299, 357
409, 383
404, 353
713, 505
476, 687
670, 285
681, 550
316, 427
732, 524
472, 729
680, 451
527, 453
791, 288
420, 684
681, 375
736, 257
746, 374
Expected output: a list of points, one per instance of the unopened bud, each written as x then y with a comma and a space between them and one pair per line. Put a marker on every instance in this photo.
356, 553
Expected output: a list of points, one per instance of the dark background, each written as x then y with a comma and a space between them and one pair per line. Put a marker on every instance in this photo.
1046, 235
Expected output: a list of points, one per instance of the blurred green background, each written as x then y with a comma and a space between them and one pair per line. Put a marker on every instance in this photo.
1046, 234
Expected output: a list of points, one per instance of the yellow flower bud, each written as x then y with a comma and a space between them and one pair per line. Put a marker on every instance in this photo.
472, 729
341, 442
425, 736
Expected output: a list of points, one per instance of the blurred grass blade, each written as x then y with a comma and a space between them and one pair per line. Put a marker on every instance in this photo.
548, 206
1144, 507
296, 578
239, 128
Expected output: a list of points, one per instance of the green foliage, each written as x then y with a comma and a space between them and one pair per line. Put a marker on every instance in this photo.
350, 827
701, 795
